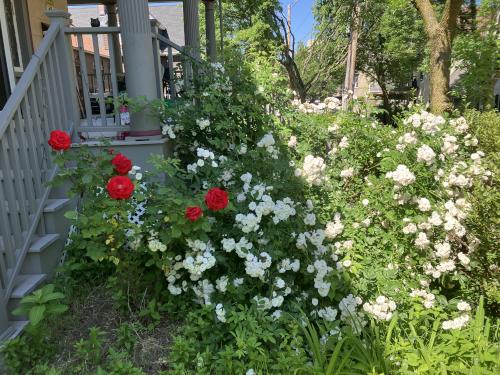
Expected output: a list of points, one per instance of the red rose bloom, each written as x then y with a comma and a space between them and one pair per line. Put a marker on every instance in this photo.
59, 140
122, 164
193, 213
120, 187
216, 199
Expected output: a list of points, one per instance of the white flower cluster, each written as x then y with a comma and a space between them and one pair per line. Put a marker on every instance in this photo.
381, 309
457, 323
204, 290
292, 142
288, 265
315, 237
313, 170
402, 176
429, 123
348, 312
242, 246
460, 125
323, 270
255, 266
429, 298
334, 228
268, 143
200, 260
330, 104
328, 313
205, 156
426, 154
220, 313
203, 123
154, 244
424, 205
347, 173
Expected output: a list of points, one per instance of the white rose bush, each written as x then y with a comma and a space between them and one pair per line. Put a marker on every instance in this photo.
268, 231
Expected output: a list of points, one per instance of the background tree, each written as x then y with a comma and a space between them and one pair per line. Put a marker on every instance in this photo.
392, 45
258, 29
440, 35
476, 54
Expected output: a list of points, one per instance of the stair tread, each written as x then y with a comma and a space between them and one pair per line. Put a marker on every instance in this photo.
25, 284
39, 244
54, 205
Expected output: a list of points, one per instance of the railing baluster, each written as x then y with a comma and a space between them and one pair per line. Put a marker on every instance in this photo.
49, 96
157, 65
10, 195
41, 131
12, 136
5, 224
59, 88
171, 82
53, 82
100, 84
29, 175
34, 155
114, 81
85, 80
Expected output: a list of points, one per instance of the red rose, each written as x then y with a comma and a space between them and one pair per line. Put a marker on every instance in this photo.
122, 164
193, 213
216, 199
59, 140
120, 187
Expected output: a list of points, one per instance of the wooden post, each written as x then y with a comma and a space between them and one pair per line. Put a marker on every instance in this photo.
192, 35
113, 22
65, 56
210, 29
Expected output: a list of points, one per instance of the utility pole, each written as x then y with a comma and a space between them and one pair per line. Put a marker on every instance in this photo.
348, 91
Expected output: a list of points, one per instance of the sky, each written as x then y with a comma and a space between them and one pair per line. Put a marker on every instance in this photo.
302, 18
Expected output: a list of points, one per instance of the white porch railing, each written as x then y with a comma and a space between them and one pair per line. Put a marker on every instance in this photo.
42, 101
55, 93
99, 81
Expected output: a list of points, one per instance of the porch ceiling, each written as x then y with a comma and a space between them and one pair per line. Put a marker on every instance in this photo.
85, 2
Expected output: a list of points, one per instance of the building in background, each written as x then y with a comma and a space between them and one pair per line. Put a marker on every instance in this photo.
22, 26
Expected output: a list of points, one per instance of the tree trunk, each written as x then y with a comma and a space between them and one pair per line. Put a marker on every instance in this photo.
385, 102
440, 35
296, 82
440, 62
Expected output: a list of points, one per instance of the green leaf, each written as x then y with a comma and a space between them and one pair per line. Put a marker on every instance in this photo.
72, 215
51, 297
36, 314
57, 309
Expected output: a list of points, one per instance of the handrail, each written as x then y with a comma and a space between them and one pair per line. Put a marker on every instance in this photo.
92, 30
43, 100
27, 78
177, 47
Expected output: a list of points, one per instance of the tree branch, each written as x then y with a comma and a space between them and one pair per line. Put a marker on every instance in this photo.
427, 11
450, 15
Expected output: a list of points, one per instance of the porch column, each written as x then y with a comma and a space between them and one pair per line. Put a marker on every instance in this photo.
139, 63
210, 29
66, 68
191, 34
113, 22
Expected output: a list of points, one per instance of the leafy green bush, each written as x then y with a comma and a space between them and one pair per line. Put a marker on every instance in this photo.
250, 340
25, 352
